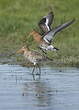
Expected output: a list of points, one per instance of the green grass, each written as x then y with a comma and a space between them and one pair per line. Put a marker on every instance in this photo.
19, 17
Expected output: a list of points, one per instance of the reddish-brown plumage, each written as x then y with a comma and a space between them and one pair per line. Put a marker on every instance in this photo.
37, 37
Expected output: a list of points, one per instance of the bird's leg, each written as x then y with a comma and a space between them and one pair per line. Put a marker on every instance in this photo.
39, 70
33, 70
33, 73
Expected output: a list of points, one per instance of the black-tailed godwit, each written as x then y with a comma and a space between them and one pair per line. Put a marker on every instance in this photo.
43, 45
34, 57
45, 41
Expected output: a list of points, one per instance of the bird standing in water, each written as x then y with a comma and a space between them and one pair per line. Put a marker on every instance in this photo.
34, 57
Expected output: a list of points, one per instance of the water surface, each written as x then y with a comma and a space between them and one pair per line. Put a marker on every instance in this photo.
58, 88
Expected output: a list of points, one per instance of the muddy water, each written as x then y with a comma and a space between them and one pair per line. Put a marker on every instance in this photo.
58, 88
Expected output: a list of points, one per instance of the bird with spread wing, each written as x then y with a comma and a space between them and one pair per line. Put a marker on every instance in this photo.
47, 38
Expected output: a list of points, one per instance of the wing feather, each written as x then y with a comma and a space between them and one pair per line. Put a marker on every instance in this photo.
50, 35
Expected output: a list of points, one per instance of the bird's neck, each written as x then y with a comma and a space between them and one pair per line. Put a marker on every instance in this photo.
26, 52
37, 37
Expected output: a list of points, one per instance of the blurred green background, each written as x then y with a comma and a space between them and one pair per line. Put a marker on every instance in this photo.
19, 17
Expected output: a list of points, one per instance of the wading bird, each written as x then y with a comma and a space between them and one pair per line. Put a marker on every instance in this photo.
45, 41
34, 57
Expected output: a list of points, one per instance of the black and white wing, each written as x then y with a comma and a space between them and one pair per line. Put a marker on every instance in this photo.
45, 22
50, 35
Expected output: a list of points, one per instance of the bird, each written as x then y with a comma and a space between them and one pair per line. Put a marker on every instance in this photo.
43, 45
32, 56
45, 22
46, 40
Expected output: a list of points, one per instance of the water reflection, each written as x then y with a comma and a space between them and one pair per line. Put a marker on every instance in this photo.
56, 90
39, 91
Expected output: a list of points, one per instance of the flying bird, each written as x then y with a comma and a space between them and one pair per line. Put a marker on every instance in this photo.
43, 45
45, 41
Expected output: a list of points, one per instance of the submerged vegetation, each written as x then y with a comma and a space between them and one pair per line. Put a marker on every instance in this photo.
19, 17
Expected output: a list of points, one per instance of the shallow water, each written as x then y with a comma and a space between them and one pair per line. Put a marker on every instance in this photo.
58, 88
